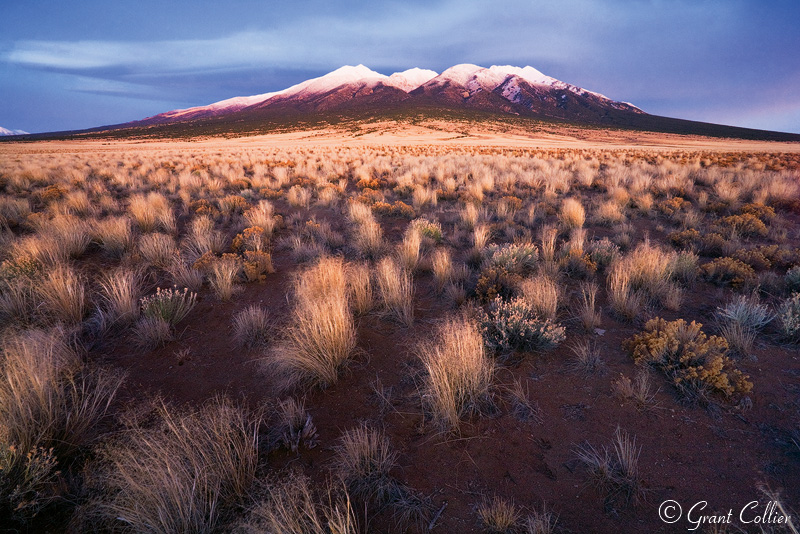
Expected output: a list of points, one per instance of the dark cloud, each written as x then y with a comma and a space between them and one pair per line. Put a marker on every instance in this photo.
729, 61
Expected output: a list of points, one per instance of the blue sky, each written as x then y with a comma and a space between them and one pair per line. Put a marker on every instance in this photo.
70, 65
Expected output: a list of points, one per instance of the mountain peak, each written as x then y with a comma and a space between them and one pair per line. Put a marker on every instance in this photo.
6, 131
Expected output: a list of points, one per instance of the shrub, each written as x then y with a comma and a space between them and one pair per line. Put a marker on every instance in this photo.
27, 481
728, 271
789, 316
754, 258
171, 305
695, 363
513, 325
792, 279
458, 373
685, 238
427, 229
713, 244
518, 258
496, 282
746, 224
257, 265
603, 252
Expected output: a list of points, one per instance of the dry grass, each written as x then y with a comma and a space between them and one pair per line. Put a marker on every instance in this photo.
359, 284
158, 249
408, 250
321, 334
152, 212
114, 235
121, 292
251, 326
458, 373
291, 508
588, 312
396, 287
225, 273
615, 470
63, 295
186, 475
542, 294
442, 265
48, 397
572, 214
639, 390
498, 515
363, 462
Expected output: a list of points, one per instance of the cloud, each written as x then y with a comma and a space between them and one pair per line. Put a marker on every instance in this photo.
678, 57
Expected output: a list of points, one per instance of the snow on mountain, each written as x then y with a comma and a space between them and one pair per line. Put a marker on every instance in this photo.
6, 131
410, 79
341, 76
472, 78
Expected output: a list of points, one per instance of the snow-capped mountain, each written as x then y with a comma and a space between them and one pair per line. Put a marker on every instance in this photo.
6, 131
505, 89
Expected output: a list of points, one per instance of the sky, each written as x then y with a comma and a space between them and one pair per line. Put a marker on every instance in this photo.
74, 65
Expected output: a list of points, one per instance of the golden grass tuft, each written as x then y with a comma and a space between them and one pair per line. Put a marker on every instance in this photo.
458, 373
321, 334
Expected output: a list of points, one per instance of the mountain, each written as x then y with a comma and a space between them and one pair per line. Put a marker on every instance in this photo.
462, 92
503, 89
6, 131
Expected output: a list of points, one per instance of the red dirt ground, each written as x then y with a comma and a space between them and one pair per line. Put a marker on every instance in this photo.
688, 453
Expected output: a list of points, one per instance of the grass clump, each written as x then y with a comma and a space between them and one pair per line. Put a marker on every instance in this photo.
498, 515
187, 474
321, 335
251, 326
458, 372
363, 462
696, 364
614, 470
52, 406
396, 287
292, 508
